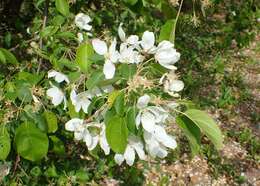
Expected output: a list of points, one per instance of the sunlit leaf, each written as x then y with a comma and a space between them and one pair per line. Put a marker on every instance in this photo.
31, 143
117, 134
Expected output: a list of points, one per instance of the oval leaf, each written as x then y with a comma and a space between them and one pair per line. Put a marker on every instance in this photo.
119, 103
9, 57
117, 134
166, 30
84, 52
51, 120
191, 131
207, 125
94, 80
31, 143
62, 6
2, 57
5, 143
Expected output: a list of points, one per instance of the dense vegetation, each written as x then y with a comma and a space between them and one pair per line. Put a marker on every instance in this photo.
41, 38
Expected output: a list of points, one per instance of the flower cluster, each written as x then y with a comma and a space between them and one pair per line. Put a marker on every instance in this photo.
151, 119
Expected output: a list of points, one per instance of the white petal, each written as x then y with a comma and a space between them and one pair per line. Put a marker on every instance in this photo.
132, 40
139, 148
59, 77
103, 143
143, 101
162, 152
160, 114
85, 106
176, 85
73, 96
129, 155
121, 32
162, 78
56, 94
138, 120
148, 40
52, 73
94, 143
113, 53
119, 158
148, 121
152, 144
163, 45
80, 37
79, 132
99, 46
87, 27
72, 124
164, 138
170, 67
87, 138
109, 70
82, 20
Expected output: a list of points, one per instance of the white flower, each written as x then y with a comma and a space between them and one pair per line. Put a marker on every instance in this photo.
81, 100
58, 76
129, 55
171, 84
134, 145
57, 96
148, 116
82, 21
92, 139
81, 132
166, 55
147, 42
131, 40
80, 37
157, 141
111, 56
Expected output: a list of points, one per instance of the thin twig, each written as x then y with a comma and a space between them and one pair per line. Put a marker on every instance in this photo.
172, 37
16, 164
45, 16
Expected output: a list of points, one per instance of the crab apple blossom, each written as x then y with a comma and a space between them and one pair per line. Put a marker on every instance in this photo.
82, 21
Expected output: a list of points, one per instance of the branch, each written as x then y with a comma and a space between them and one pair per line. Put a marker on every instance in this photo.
45, 16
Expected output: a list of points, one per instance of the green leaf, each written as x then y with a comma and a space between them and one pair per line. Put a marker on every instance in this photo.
131, 2
166, 30
127, 71
71, 110
51, 172
191, 131
49, 31
2, 57
112, 97
5, 143
109, 115
117, 134
31, 143
119, 104
63, 7
207, 125
24, 93
130, 119
83, 55
51, 120
58, 146
30, 78
10, 58
95, 78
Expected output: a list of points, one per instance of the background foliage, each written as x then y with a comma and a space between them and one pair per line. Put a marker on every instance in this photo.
43, 32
